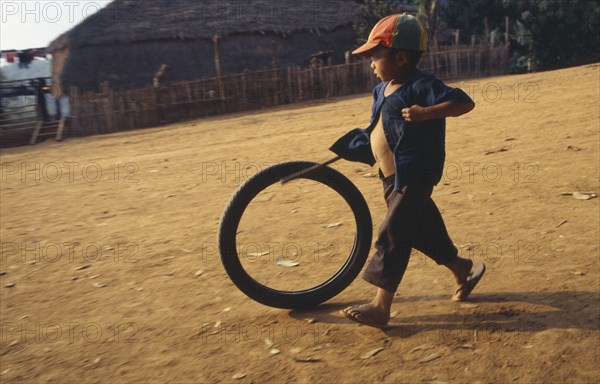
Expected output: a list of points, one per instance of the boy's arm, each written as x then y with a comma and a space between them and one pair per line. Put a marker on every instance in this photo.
417, 114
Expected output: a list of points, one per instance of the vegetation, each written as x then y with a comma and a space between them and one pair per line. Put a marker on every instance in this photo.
373, 11
544, 34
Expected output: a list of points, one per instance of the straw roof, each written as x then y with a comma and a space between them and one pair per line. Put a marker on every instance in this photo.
131, 21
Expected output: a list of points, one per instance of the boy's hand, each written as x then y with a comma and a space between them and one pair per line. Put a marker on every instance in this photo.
415, 114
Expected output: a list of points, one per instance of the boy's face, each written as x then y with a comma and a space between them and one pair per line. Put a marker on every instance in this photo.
388, 66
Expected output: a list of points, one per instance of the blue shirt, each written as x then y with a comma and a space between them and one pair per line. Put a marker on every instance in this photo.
418, 148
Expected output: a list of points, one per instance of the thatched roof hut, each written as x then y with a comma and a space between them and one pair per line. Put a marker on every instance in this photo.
126, 42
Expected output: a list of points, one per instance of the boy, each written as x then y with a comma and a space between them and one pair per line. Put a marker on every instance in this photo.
406, 138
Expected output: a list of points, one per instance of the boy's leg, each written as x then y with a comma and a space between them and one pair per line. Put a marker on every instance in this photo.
393, 244
433, 240
396, 235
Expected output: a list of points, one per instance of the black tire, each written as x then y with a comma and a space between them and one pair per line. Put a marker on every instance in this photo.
314, 296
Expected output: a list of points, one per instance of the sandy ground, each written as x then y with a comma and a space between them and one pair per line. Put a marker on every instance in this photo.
103, 239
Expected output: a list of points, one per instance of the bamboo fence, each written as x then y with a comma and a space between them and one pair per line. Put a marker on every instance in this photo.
111, 109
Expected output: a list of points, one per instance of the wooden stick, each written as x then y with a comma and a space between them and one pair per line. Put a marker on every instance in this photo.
61, 127
298, 174
36, 132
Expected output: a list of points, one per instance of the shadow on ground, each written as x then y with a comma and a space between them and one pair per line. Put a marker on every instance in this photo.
491, 313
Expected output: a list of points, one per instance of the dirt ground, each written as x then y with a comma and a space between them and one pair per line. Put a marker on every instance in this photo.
104, 238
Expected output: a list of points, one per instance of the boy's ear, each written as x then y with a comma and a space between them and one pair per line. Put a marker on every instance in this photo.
402, 58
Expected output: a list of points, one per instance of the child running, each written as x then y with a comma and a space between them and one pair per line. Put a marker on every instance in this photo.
406, 137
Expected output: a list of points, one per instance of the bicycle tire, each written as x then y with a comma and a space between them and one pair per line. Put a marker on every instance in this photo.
320, 293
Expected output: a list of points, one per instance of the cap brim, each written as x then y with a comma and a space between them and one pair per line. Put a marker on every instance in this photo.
365, 49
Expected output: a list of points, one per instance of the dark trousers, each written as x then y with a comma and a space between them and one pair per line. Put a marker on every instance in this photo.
412, 221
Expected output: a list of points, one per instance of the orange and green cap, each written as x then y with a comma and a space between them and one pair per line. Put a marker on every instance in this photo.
401, 31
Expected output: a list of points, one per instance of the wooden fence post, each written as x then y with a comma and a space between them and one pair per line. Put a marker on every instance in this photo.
106, 107
74, 111
506, 31
276, 86
486, 45
290, 85
244, 90
218, 69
